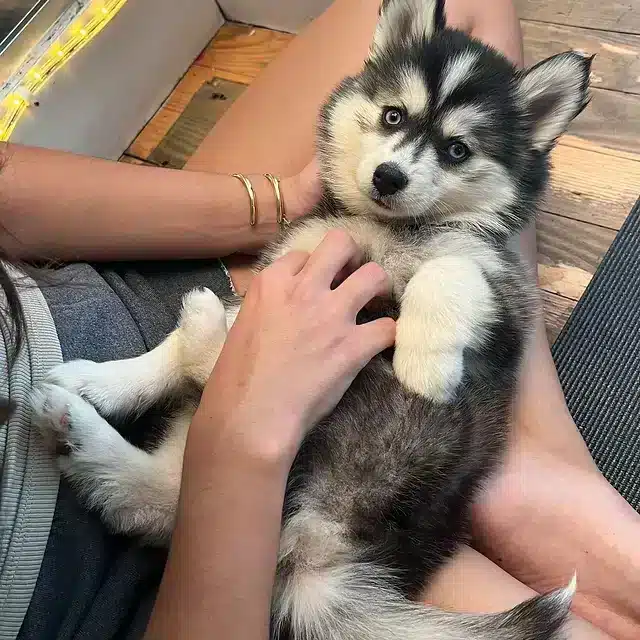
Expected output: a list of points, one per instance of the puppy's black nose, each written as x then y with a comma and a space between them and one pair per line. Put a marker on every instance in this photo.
388, 179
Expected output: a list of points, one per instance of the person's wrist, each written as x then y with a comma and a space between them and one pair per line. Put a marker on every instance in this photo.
266, 210
299, 194
302, 191
268, 439
294, 197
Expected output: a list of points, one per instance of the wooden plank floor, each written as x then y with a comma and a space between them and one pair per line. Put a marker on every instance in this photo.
596, 177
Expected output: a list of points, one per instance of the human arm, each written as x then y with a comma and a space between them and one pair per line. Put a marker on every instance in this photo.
62, 206
289, 357
221, 567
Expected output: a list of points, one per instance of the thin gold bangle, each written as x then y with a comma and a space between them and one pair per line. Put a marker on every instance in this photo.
281, 217
253, 212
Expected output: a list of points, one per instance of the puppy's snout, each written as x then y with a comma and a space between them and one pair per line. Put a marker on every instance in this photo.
388, 178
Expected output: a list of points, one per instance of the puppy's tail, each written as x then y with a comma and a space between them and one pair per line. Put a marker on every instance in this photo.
355, 602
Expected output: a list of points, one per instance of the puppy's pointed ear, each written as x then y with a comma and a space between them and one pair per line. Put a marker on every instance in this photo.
401, 21
555, 91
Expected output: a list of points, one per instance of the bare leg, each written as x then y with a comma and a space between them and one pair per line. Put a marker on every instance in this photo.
459, 587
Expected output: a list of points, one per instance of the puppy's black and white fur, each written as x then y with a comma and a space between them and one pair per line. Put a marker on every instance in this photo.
433, 158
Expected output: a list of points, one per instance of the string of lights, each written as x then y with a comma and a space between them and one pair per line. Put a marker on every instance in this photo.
54, 50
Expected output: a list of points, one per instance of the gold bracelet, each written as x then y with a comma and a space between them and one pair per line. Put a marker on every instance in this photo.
281, 217
253, 212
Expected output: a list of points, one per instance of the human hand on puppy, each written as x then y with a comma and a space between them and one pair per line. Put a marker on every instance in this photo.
294, 349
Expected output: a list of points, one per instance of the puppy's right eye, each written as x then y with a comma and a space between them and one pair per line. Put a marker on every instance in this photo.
392, 116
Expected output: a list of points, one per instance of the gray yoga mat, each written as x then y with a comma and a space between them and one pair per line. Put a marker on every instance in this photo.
598, 359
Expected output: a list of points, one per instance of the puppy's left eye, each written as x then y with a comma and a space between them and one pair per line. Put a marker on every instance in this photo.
457, 151
392, 116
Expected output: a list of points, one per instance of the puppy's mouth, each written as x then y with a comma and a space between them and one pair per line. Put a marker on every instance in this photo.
384, 202
381, 203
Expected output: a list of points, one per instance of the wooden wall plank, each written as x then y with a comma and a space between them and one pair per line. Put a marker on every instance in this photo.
158, 127
580, 143
198, 118
591, 186
610, 120
569, 252
239, 52
557, 310
613, 15
617, 62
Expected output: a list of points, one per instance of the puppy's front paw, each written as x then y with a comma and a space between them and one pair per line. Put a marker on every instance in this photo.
431, 370
432, 374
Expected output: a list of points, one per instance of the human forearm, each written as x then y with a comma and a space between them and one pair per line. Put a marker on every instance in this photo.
61, 206
220, 572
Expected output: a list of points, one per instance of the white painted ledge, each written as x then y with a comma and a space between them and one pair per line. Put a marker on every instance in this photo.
98, 102
284, 15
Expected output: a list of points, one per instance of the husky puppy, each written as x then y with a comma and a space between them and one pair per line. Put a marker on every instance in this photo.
433, 157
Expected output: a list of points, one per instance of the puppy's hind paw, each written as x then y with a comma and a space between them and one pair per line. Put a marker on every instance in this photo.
67, 422
51, 406
202, 314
